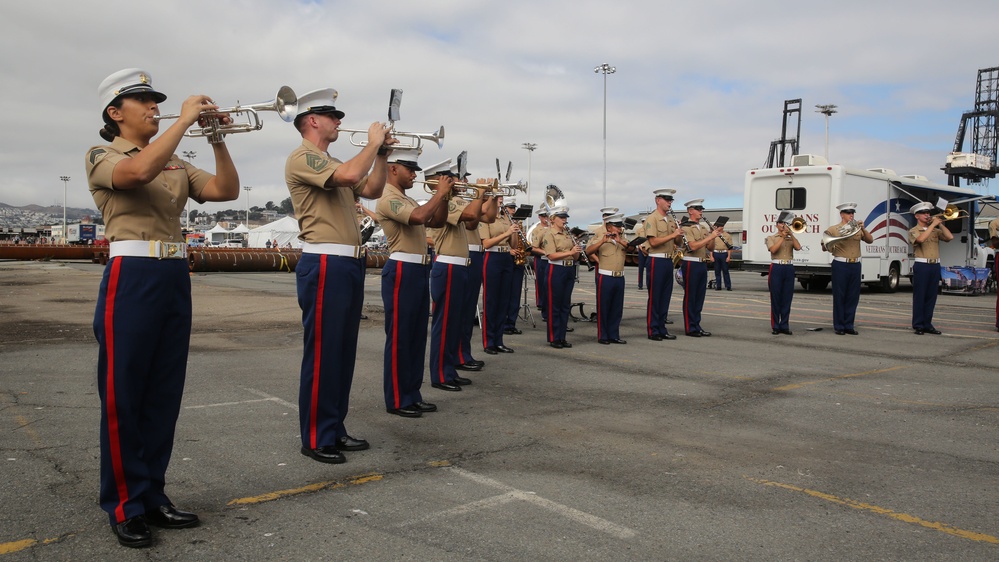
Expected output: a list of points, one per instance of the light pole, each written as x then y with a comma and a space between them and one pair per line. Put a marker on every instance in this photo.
247, 188
65, 185
605, 69
827, 110
189, 154
529, 147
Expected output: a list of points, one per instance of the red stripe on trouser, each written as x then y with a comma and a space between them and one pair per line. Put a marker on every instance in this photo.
317, 353
551, 319
110, 399
648, 308
444, 323
600, 309
395, 335
482, 322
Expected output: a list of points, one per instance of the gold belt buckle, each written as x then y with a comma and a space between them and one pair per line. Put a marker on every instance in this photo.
567, 263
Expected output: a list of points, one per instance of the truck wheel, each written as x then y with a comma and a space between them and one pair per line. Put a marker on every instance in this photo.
819, 283
804, 283
889, 283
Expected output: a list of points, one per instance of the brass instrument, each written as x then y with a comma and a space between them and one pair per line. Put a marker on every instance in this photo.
848, 230
417, 142
952, 212
679, 249
798, 224
525, 246
466, 190
555, 198
285, 103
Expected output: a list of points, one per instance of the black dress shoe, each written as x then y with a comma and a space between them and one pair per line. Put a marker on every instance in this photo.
933, 331
448, 386
840, 332
556, 344
566, 344
786, 332
348, 443
468, 367
570, 329
669, 321
133, 533
618, 341
918, 331
169, 517
775, 332
325, 454
424, 407
705, 334
852, 332
491, 350
462, 381
405, 411
694, 334
604, 342
656, 337
512, 331
503, 349
669, 337
475, 363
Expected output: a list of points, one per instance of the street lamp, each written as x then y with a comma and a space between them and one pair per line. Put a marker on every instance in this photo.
247, 188
605, 69
529, 147
65, 185
827, 110
189, 154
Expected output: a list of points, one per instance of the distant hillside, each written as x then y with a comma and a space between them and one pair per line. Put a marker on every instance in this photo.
55, 210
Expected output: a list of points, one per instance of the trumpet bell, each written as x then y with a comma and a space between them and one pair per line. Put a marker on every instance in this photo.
798, 225
953, 212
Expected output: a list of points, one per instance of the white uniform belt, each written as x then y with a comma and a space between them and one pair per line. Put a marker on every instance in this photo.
663, 255
927, 260
720, 251
688, 258
453, 260
149, 249
544, 257
610, 273
563, 263
475, 247
498, 249
782, 262
846, 260
422, 259
334, 249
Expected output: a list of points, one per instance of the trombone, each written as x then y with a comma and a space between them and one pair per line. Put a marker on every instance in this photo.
952, 212
416, 142
285, 103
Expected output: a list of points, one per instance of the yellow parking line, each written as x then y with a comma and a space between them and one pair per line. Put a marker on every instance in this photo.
935, 525
847, 376
17, 546
328, 485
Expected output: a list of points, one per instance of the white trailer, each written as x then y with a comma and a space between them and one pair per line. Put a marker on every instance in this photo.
812, 188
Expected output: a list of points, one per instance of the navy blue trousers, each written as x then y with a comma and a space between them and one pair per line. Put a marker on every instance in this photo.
560, 281
695, 285
143, 328
846, 294
721, 270
448, 285
660, 292
469, 307
610, 306
925, 283
497, 281
540, 285
516, 291
407, 304
642, 264
330, 294
780, 281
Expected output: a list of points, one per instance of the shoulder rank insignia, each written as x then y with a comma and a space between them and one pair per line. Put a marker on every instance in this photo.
316, 162
96, 155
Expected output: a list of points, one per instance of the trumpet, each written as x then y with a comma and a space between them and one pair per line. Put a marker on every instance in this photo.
952, 212
285, 103
461, 190
798, 224
416, 142
507, 189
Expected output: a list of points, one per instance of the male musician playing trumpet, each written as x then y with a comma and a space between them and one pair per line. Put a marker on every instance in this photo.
695, 270
610, 246
780, 280
663, 236
405, 293
846, 269
490, 208
330, 273
925, 238
497, 280
562, 253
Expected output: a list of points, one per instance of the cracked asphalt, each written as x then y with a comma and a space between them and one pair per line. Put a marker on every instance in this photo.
742, 446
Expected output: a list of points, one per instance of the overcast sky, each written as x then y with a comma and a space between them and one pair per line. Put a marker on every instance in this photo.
696, 100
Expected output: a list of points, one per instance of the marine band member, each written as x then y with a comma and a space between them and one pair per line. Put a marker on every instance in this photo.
846, 270
780, 280
540, 263
925, 238
695, 270
497, 274
330, 273
663, 237
562, 254
610, 247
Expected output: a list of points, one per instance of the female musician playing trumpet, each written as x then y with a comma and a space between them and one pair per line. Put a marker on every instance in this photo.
143, 317
562, 254
780, 280
925, 238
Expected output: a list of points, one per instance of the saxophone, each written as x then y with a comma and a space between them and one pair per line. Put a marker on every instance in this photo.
525, 246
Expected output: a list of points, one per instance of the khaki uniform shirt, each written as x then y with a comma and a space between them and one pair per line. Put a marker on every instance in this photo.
929, 248
612, 254
537, 234
394, 208
718, 245
473, 236
786, 250
150, 212
556, 241
487, 231
325, 215
656, 226
694, 233
451, 239
848, 248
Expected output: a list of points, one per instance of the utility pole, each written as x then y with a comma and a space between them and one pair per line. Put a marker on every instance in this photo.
247, 188
530, 147
827, 110
605, 69
189, 154
65, 186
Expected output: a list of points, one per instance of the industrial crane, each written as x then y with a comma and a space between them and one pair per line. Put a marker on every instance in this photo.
978, 165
